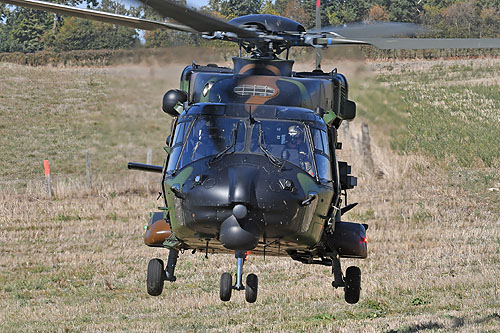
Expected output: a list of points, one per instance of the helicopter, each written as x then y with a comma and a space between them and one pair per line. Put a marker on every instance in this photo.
251, 162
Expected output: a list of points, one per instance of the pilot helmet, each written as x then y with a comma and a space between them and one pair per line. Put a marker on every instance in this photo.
295, 134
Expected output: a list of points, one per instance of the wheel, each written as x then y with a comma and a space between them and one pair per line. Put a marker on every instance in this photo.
156, 277
251, 288
226, 287
352, 284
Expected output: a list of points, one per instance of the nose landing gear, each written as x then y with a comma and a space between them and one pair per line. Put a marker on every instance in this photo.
251, 287
226, 287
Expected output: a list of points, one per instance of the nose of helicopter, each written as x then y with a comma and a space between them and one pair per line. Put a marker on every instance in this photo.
241, 204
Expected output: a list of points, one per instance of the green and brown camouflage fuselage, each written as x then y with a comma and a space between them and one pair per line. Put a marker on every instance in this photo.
287, 207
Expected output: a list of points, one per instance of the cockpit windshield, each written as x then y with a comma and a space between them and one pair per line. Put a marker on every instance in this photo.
211, 136
279, 140
285, 140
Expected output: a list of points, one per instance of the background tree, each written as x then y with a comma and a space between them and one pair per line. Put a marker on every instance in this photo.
80, 34
403, 10
268, 8
56, 20
234, 8
29, 31
460, 20
25, 28
214, 5
342, 11
489, 22
431, 16
295, 11
168, 38
3, 11
280, 5
376, 13
4, 35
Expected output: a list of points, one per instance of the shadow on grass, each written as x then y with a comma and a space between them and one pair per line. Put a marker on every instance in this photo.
418, 327
493, 316
431, 325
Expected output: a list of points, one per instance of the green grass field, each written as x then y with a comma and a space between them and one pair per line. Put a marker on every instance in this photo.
78, 263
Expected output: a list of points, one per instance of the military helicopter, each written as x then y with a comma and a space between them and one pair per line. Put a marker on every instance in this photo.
251, 162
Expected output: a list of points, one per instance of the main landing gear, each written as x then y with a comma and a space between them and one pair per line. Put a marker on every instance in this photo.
351, 282
226, 282
157, 275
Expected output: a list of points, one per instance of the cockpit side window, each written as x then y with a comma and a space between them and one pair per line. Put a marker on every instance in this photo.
321, 153
320, 139
180, 132
177, 143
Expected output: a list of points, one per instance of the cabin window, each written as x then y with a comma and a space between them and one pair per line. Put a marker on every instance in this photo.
210, 136
285, 140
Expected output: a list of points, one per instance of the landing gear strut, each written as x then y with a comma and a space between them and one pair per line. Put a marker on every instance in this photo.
351, 282
171, 263
252, 282
240, 260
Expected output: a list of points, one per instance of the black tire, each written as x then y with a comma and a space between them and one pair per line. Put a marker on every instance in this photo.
156, 277
226, 287
352, 284
251, 288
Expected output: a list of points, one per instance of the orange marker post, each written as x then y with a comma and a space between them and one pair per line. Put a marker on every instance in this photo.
47, 177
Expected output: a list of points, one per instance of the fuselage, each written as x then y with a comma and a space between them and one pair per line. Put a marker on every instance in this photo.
252, 163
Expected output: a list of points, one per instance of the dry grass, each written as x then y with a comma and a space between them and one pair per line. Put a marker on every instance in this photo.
77, 262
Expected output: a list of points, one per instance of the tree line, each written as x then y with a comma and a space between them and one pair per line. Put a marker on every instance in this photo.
26, 30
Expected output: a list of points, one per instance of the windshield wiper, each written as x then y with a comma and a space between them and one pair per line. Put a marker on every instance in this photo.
222, 153
273, 159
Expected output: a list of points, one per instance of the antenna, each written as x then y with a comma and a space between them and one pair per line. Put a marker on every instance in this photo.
319, 55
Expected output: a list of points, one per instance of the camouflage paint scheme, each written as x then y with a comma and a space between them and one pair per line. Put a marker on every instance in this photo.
320, 90
195, 213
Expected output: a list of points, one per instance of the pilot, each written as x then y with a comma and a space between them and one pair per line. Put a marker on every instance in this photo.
207, 142
295, 149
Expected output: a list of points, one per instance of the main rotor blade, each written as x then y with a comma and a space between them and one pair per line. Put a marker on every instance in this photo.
372, 30
413, 43
96, 15
433, 43
194, 19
